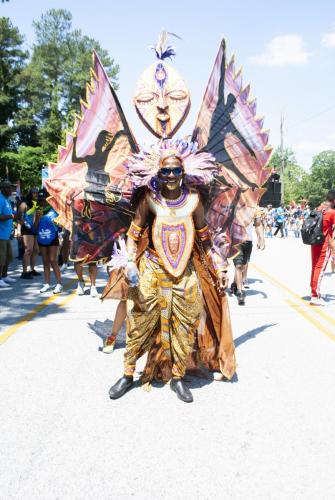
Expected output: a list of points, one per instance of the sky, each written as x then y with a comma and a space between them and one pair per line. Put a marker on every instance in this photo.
286, 49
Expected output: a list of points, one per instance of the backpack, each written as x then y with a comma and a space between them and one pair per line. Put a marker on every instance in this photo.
311, 231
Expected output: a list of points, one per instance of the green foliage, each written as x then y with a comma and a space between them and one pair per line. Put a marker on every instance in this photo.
295, 177
59, 69
299, 184
12, 61
24, 165
38, 97
322, 177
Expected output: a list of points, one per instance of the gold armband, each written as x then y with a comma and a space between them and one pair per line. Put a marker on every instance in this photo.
203, 234
135, 232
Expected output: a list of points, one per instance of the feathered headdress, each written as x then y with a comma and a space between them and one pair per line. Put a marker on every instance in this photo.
199, 168
162, 49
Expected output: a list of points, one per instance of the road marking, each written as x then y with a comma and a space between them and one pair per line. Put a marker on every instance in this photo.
37, 309
298, 307
281, 285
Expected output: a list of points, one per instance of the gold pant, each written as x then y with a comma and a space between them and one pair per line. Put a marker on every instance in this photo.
166, 305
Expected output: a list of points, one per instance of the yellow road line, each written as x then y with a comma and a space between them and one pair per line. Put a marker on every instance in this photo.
281, 285
299, 309
37, 309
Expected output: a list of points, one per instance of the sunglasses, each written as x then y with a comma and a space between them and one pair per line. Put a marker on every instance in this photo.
175, 171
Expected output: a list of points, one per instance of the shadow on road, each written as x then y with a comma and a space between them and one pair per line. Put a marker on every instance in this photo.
251, 334
103, 328
256, 292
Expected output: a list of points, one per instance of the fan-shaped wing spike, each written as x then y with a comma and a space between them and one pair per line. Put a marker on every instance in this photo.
260, 121
253, 106
265, 136
84, 105
245, 94
238, 79
231, 65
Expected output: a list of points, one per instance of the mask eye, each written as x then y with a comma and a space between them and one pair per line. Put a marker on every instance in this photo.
177, 95
146, 98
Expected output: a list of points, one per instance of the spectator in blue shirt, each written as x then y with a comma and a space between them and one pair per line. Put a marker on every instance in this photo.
6, 227
280, 220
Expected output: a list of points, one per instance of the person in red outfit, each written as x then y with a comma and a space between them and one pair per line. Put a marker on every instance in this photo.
321, 253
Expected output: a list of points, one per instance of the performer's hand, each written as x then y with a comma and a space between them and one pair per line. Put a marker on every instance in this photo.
132, 274
261, 245
222, 282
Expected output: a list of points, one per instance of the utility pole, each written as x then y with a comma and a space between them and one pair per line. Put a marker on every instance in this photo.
282, 159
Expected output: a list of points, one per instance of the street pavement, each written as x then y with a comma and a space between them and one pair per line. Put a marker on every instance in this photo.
269, 434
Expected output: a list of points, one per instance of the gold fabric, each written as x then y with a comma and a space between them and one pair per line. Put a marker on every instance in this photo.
162, 306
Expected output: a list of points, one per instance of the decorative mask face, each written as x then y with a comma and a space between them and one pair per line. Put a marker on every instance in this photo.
162, 100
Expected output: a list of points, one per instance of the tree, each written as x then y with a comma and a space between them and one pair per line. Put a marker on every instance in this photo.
322, 177
296, 179
12, 61
58, 71
24, 165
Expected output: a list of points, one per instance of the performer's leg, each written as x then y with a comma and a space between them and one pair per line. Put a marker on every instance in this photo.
81, 282
184, 320
320, 257
120, 316
142, 322
93, 271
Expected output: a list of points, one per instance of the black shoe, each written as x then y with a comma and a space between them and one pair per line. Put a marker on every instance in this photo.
34, 273
121, 387
183, 392
233, 288
240, 298
26, 276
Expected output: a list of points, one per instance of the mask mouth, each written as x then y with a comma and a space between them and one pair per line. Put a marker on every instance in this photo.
163, 117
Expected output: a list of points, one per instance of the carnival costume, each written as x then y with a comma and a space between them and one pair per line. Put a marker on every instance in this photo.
176, 313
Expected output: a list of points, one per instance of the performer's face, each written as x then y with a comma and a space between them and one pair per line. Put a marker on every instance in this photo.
171, 173
162, 100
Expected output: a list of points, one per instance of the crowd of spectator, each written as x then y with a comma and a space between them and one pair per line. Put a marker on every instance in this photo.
28, 229
284, 221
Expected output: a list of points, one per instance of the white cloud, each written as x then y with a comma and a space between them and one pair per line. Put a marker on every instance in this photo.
328, 40
282, 51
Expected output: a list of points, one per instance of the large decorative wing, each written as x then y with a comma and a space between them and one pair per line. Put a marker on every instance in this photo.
229, 129
89, 185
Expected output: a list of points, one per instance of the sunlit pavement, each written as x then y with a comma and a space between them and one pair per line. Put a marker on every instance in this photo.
268, 435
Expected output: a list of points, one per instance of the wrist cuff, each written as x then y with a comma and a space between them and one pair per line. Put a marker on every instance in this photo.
135, 232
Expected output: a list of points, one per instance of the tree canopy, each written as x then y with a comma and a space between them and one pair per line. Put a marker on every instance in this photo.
40, 91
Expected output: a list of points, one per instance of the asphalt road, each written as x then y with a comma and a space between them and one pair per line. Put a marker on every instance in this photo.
270, 434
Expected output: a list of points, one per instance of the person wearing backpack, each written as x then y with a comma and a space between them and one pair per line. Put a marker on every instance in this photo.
320, 251
47, 238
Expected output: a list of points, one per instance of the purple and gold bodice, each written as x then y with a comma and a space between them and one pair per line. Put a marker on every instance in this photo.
173, 229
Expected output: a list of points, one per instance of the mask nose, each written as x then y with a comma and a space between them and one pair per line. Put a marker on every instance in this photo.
162, 105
